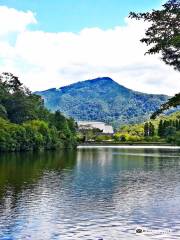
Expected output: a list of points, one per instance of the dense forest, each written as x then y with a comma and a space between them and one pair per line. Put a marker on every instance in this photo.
25, 124
163, 129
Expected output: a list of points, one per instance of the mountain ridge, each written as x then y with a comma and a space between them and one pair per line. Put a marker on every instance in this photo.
102, 99
96, 80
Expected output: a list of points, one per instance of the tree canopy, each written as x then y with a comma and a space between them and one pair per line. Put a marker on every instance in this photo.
172, 102
164, 37
164, 33
25, 124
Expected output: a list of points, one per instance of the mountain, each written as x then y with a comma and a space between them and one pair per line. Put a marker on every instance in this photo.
102, 99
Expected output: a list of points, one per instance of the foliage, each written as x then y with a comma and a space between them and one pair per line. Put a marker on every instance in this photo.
127, 137
164, 129
134, 130
25, 124
101, 138
31, 135
17, 102
89, 134
164, 33
177, 138
130, 133
172, 102
164, 37
149, 129
167, 127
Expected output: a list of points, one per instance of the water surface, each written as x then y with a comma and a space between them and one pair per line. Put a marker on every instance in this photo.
90, 193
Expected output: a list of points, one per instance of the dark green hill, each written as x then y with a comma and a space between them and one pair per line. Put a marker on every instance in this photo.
102, 99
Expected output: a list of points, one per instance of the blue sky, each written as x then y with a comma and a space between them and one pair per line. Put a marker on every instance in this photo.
53, 43
74, 15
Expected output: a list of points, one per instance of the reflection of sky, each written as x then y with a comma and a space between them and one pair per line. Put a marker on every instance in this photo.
107, 194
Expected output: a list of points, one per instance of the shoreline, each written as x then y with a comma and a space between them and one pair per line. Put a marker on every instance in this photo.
127, 145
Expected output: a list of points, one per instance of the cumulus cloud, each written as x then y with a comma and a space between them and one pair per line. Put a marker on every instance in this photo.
44, 60
12, 20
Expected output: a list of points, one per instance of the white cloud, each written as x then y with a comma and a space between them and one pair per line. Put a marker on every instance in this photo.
12, 20
44, 60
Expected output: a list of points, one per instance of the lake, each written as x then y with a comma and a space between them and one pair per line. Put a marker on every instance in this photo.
90, 193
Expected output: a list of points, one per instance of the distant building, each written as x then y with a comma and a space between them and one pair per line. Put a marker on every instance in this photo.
106, 129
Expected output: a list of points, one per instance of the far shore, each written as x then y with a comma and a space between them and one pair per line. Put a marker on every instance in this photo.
128, 145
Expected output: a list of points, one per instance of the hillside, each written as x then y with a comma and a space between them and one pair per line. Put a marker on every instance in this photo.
165, 128
102, 99
26, 125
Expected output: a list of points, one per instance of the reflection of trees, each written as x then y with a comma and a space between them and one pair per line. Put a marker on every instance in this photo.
18, 169
150, 179
105, 166
128, 169
22, 177
59, 188
161, 159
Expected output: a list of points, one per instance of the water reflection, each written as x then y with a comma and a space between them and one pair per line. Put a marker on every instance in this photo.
89, 193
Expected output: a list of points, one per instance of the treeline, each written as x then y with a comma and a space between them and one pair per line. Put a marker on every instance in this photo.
25, 124
165, 129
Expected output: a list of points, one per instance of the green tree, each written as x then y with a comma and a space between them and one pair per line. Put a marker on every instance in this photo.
146, 129
170, 131
177, 138
164, 37
177, 125
171, 103
17, 102
10, 82
164, 33
151, 129
25, 124
160, 128
72, 125
3, 112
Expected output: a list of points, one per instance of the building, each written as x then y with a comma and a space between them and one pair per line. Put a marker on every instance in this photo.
106, 129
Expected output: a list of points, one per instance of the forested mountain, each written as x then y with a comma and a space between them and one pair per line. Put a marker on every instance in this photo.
102, 99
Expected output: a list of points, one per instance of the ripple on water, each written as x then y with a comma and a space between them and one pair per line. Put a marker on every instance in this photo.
91, 194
